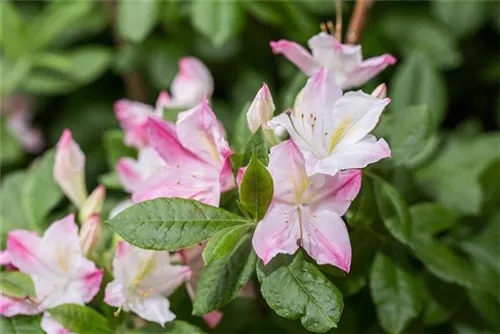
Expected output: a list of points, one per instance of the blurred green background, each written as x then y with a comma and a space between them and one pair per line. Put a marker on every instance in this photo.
67, 62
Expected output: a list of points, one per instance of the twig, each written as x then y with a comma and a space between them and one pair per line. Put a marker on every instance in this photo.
132, 80
358, 19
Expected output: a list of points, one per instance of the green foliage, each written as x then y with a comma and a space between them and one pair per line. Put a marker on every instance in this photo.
136, 19
115, 147
80, 319
21, 325
171, 223
16, 284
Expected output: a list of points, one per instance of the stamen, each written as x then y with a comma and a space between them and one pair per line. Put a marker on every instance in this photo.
117, 312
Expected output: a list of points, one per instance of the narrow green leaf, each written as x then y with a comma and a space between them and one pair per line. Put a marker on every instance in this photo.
257, 146
296, 289
218, 21
416, 82
171, 223
115, 147
21, 324
264, 11
40, 192
256, 189
395, 293
11, 208
221, 281
80, 319
393, 209
136, 19
14, 36
16, 284
89, 62
222, 242
461, 17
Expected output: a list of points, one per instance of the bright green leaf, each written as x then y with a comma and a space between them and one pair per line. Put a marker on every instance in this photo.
221, 281
171, 223
136, 19
16, 284
296, 289
21, 325
256, 189
223, 241
218, 21
80, 319
40, 192
14, 37
395, 293
257, 146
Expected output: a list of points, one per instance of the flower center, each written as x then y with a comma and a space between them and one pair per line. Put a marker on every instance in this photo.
337, 135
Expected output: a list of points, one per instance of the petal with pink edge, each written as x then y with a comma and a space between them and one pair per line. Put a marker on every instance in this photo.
326, 240
296, 54
191, 84
277, 232
10, 306
155, 309
128, 173
51, 326
25, 253
367, 70
212, 319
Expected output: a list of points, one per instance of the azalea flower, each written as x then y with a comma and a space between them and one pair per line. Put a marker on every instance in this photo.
331, 129
69, 169
344, 60
56, 265
306, 211
261, 110
142, 279
197, 157
189, 87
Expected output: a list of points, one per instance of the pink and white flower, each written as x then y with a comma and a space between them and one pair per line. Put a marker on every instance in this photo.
51, 326
142, 280
56, 265
69, 169
344, 60
261, 110
331, 129
197, 157
306, 211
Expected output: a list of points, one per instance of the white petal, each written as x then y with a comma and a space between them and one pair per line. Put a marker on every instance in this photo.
360, 154
155, 308
50, 326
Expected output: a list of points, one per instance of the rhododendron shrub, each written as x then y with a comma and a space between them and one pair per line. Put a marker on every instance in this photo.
244, 183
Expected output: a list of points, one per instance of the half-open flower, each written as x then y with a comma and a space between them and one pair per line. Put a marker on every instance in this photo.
93, 203
56, 265
306, 211
69, 169
261, 110
142, 280
90, 233
331, 129
344, 60
197, 157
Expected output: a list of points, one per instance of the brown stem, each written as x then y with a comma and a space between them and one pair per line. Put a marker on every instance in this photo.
338, 21
132, 80
358, 19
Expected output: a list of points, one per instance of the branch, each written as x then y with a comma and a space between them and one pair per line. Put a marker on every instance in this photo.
358, 19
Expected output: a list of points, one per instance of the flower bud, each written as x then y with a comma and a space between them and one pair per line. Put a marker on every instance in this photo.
93, 203
191, 84
380, 92
69, 167
261, 110
90, 233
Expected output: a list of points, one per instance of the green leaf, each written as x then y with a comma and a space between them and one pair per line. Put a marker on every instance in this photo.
408, 132
257, 146
393, 209
136, 19
16, 284
264, 12
417, 82
14, 73
221, 281
242, 134
40, 192
490, 184
218, 21
395, 293
89, 62
115, 147
21, 325
182, 327
14, 37
486, 306
10, 147
461, 17
256, 189
431, 219
12, 212
296, 289
363, 210
80, 319
223, 241
111, 181
171, 223
56, 18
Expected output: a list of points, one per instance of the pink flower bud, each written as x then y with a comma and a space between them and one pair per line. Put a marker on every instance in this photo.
69, 168
380, 92
261, 110
93, 203
90, 233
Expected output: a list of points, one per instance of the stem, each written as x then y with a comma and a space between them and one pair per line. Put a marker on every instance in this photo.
358, 19
132, 80
338, 21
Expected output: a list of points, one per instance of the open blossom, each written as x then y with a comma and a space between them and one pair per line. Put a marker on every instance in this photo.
56, 265
142, 280
344, 60
189, 87
69, 169
306, 211
331, 129
197, 157
261, 110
